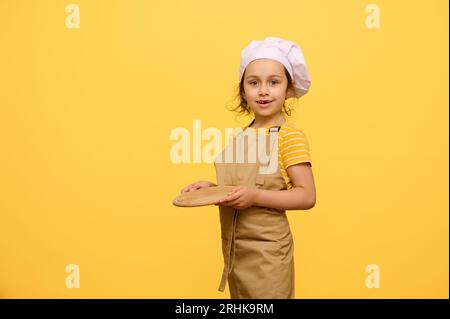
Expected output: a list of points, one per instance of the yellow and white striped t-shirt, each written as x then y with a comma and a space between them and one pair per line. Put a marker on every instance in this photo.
293, 148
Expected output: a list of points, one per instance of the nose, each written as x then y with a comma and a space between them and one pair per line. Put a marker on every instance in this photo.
263, 89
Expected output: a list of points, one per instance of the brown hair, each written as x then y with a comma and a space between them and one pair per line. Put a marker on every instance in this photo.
242, 107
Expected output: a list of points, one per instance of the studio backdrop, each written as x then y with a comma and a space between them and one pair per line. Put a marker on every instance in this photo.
96, 95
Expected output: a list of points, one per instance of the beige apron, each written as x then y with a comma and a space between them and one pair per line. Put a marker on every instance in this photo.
257, 244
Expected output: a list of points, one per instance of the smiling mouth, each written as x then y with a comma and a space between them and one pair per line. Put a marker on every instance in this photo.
264, 102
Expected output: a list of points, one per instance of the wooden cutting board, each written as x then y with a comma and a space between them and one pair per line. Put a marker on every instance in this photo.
202, 197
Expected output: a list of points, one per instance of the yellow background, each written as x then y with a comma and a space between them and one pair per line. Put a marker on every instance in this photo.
85, 118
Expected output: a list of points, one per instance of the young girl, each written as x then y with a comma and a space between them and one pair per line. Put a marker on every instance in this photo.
257, 244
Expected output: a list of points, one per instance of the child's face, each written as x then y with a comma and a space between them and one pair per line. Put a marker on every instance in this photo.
265, 79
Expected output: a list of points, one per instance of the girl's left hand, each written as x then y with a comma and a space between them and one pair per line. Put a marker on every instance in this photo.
241, 197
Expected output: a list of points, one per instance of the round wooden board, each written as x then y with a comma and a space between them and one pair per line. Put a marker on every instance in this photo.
202, 197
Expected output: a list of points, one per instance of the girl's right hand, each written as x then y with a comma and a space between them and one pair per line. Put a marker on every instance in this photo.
197, 185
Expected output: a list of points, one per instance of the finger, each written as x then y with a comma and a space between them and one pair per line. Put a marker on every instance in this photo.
231, 192
224, 200
223, 204
237, 192
234, 203
184, 190
231, 197
234, 190
193, 188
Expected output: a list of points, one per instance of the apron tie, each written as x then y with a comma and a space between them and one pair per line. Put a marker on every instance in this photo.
231, 249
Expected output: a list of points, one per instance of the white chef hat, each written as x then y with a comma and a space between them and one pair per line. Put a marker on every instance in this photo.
286, 52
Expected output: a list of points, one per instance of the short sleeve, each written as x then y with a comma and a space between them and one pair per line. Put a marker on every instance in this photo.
294, 148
